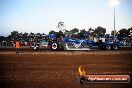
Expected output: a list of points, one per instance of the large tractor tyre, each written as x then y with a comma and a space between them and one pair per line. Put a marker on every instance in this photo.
102, 47
54, 46
115, 47
61, 47
108, 47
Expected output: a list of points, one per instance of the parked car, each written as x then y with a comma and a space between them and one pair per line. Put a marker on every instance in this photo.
40, 45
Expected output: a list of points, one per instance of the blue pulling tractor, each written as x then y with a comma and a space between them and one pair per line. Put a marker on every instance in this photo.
76, 44
83, 44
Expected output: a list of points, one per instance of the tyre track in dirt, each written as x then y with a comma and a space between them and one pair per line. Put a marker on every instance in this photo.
60, 69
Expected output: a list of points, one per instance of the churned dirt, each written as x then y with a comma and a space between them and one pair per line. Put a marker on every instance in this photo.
59, 69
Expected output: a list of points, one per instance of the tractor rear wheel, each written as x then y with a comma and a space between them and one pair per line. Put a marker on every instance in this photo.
115, 47
54, 46
108, 47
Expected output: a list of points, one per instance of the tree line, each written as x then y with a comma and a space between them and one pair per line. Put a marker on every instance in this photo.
75, 32
97, 32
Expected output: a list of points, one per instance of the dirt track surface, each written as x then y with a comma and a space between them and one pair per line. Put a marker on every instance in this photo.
59, 69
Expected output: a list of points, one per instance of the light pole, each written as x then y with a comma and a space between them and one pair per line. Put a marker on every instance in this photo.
131, 37
114, 3
114, 25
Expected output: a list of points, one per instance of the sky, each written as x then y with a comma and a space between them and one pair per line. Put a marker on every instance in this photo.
41, 16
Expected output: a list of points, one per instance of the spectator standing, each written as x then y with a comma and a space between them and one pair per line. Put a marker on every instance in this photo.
17, 47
